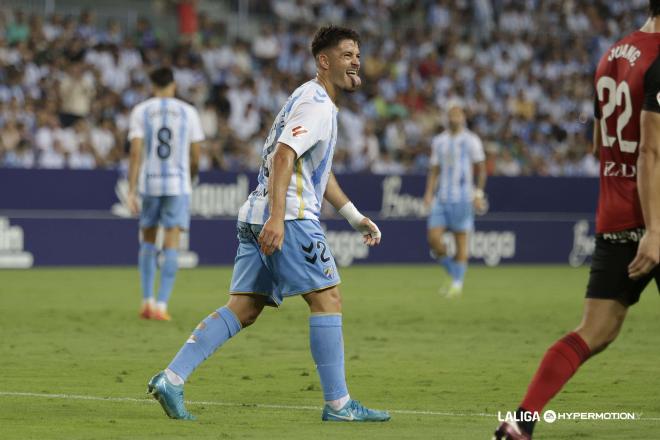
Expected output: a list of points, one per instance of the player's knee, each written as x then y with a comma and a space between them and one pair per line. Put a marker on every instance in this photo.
325, 301
249, 318
247, 309
149, 234
438, 245
599, 345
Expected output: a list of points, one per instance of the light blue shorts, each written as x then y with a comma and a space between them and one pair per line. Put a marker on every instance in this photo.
457, 217
168, 211
305, 263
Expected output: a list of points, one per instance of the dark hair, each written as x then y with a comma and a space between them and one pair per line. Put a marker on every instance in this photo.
161, 77
654, 7
330, 36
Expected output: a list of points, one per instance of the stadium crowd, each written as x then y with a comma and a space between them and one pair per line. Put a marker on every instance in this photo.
522, 68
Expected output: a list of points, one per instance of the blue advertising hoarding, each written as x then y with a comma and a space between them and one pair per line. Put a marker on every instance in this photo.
56, 218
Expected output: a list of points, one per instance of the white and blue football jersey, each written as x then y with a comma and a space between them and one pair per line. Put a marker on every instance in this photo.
167, 126
456, 154
308, 124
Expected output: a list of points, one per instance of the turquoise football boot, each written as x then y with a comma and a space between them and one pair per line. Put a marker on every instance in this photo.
169, 396
353, 411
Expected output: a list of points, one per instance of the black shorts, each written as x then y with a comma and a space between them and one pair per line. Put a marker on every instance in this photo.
608, 278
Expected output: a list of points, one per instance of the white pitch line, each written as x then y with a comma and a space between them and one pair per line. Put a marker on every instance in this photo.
233, 404
245, 405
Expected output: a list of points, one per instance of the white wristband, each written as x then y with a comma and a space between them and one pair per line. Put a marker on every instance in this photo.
350, 213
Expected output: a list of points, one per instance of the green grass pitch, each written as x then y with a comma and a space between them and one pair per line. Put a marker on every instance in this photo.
445, 368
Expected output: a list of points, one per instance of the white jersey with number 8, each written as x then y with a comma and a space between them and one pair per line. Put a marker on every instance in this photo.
167, 127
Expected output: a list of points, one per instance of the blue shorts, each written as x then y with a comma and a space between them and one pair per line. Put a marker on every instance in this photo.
457, 217
304, 265
168, 211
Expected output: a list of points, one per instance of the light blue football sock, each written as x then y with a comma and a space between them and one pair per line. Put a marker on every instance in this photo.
147, 266
207, 337
448, 263
459, 271
167, 274
327, 345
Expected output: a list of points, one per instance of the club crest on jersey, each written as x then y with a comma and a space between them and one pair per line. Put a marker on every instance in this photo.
329, 271
298, 131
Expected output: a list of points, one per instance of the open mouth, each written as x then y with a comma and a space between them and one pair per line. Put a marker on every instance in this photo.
353, 75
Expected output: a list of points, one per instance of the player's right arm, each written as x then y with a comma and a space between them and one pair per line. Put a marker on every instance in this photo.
432, 175
431, 184
136, 137
280, 171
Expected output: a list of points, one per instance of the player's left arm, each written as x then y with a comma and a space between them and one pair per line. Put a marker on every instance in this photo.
196, 139
648, 175
338, 199
481, 177
195, 149
479, 161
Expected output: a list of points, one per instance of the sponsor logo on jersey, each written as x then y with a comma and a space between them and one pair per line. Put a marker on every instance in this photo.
298, 131
614, 169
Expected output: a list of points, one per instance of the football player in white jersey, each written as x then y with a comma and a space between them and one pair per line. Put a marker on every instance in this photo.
165, 135
454, 154
282, 249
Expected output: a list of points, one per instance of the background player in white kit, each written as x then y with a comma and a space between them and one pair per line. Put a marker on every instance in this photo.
165, 135
282, 249
454, 153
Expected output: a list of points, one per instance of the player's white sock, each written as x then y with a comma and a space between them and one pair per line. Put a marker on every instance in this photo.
161, 306
339, 403
457, 284
173, 377
149, 301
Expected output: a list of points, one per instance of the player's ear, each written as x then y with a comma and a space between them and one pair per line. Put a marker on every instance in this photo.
323, 61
